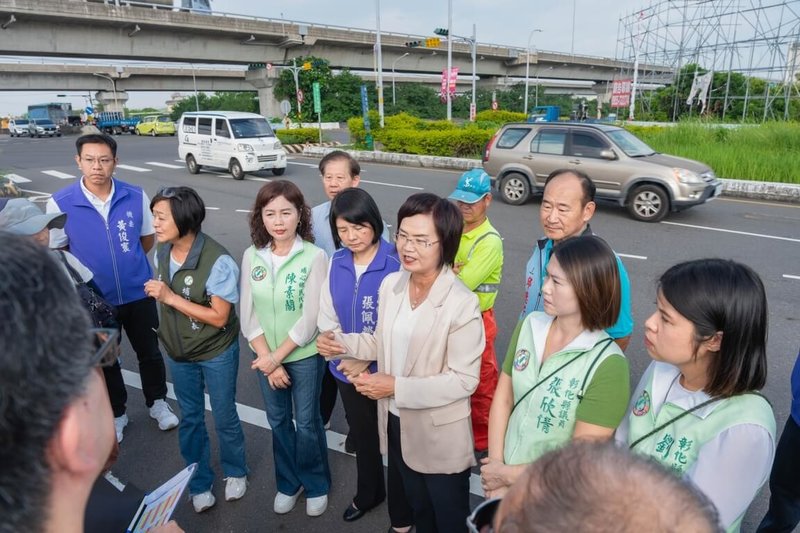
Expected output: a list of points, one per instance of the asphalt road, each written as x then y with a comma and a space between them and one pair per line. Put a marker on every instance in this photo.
763, 235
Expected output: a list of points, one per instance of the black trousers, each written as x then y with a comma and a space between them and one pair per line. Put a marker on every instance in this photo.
327, 397
784, 483
440, 501
139, 320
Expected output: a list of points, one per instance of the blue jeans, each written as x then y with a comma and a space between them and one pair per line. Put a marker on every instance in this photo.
219, 376
299, 450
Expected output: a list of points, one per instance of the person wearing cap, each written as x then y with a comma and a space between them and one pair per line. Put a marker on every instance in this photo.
109, 228
21, 217
567, 206
479, 264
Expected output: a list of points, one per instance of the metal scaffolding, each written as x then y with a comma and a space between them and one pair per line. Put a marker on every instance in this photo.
757, 39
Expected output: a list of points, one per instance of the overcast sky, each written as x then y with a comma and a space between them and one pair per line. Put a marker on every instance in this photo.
506, 22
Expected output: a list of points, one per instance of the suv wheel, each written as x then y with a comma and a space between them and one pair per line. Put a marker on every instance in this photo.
236, 169
515, 189
648, 203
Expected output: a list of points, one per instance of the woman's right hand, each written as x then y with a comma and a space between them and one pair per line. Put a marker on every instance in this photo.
279, 378
327, 345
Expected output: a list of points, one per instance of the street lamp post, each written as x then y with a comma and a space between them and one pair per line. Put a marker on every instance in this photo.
379, 59
113, 86
449, 59
528, 67
393, 90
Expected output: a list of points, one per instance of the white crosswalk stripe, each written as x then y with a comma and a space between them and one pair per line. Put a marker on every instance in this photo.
135, 169
16, 178
59, 175
163, 165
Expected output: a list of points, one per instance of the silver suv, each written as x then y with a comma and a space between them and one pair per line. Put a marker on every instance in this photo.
40, 127
624, 169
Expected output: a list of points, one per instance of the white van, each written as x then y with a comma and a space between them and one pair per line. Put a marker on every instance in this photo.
238, 142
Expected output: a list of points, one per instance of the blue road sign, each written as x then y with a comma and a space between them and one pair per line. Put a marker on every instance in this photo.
89, 110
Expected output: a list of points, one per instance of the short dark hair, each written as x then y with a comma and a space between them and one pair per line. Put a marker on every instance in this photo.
340, 155
587, 184
357, 207
96, 138
43, 368
258, 232
188, 209
590, 486
723, 295
447, 219
591, 268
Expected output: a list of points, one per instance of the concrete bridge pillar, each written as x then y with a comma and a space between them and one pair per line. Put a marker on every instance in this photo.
111, 100
264, 81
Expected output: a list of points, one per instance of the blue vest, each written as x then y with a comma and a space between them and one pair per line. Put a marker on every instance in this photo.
111, 250
356, 302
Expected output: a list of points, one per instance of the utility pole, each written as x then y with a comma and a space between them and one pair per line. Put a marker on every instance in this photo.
449, 60
379, 59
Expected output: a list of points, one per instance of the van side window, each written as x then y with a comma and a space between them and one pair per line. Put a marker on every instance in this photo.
204, 126
189, 125
549, 142
511, 137
585, 144
222, 128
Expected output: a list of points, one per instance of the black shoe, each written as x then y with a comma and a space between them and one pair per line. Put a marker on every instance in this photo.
351, 514
349, 445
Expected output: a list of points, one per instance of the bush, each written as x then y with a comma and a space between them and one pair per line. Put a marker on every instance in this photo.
500, 117
298, 135
466, 142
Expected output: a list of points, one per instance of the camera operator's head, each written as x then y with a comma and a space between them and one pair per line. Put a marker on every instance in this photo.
56, 425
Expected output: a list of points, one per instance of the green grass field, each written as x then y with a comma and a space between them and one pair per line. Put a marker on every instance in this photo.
765, 152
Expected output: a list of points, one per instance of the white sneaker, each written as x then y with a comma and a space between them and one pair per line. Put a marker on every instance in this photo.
285, 503
162, 412
119, 424
204, 500
235, 487
316, 506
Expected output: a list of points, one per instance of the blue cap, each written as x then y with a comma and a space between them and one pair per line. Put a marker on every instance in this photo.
473, 185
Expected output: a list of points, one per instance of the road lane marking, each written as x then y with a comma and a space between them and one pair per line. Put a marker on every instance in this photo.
789, 276
393, 185
630, 256
258, 417
163, 165
16, 178
179, 161
212, 208
242, 210
732, 231
303, 164
59, 175
135, 169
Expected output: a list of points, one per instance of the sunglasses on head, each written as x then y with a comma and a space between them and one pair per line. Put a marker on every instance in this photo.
106, 346
480, 521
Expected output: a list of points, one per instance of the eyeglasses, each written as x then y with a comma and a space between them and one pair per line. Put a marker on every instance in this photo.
104, 161
106, 344
416, 242
480, 521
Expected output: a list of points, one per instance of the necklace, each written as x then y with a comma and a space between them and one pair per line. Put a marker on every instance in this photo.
419, 296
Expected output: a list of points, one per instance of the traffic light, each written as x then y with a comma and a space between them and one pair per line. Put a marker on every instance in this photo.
432, 42
444, 32
413, 44
307, 65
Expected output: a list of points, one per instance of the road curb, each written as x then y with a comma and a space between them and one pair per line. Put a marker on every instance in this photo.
757, 190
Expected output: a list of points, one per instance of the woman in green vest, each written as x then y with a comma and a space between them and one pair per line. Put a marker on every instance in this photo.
696, 409
282, 276
563, 377
197, 288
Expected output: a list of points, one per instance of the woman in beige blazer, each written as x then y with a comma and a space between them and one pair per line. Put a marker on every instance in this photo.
428, 344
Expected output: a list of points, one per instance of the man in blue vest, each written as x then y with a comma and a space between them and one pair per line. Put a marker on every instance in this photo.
567, 206
109, 229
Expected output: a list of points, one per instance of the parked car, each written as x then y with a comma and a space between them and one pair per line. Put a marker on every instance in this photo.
624, 169
39, 127
236, 141
18, 127
155, 125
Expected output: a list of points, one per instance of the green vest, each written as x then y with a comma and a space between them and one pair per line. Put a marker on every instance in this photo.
678, 444
278, 302
545, 418
184, 338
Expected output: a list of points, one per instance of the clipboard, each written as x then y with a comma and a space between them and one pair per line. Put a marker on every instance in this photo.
157, 507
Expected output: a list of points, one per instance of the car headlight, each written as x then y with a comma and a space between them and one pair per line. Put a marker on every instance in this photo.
687, 176
278, 145
242, 147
